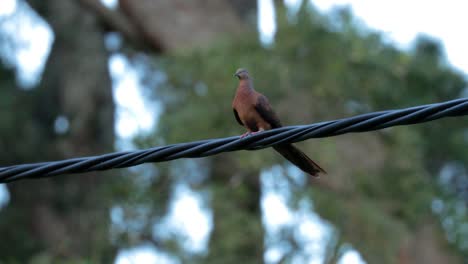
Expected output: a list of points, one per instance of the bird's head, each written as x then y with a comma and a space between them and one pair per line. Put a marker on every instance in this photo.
242, 74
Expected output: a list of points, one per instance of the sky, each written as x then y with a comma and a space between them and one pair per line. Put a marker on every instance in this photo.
402, 20
24, 26
444, 20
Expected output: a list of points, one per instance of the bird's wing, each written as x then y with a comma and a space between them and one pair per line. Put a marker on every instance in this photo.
237, 117
263, 108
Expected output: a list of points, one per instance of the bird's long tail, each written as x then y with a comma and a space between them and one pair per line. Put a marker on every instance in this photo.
298, 158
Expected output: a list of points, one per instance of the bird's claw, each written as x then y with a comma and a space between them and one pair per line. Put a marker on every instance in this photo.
249, 134
245, 134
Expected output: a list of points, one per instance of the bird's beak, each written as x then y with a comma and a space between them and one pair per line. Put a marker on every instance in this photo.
236, 75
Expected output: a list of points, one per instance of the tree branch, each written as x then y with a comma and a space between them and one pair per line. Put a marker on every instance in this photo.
120, 22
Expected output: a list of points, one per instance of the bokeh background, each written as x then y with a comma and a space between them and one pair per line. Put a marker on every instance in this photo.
86, 77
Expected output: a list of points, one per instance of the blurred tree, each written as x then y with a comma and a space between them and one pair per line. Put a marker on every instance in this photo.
380, 186
67, 220
62, 218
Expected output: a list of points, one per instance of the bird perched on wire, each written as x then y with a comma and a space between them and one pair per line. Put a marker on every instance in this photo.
253, 111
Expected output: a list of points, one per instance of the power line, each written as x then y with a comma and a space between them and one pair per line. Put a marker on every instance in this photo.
203, 148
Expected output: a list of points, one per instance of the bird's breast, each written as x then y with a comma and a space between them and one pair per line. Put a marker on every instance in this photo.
245, 106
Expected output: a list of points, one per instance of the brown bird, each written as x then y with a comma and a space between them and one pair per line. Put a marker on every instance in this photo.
253, 111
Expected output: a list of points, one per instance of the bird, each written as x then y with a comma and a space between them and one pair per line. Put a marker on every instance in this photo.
253, 111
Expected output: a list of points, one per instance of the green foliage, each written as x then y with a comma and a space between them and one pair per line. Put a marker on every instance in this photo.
320, 69
380, 186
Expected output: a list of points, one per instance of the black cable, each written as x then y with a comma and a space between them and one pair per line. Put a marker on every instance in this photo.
291, 134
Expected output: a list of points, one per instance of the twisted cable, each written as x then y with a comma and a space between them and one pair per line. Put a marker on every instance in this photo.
203, 148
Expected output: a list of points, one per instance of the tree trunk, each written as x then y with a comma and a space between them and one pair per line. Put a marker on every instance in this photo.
65, 216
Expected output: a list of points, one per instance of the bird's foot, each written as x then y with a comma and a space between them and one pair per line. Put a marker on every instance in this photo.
246, 134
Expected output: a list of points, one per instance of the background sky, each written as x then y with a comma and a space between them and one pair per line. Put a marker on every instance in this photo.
402, 20
440, 19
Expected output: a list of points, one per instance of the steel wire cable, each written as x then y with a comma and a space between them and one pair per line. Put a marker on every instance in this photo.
203, 148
